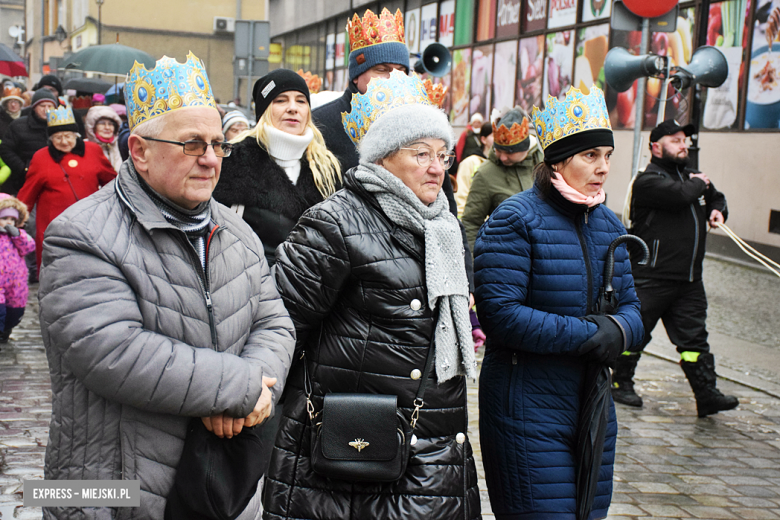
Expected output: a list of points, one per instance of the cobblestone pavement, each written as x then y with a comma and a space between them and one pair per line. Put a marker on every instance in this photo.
670, 464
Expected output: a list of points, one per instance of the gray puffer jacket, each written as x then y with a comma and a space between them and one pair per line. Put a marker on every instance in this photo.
132, 351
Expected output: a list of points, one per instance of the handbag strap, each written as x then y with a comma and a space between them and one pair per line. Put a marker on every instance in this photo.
67, 178
418, 400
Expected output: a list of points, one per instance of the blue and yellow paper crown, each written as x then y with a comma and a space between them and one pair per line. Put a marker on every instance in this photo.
385, 94
60, 117
170, 85
578, 112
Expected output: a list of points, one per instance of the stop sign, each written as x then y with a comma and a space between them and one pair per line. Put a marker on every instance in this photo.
652, 9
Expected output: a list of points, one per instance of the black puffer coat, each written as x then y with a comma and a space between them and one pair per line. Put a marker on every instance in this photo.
24, 137
353, 284
273, 204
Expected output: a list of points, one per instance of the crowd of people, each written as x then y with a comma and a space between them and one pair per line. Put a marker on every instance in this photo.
302, 287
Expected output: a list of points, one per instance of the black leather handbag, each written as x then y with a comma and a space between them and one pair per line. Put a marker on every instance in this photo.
363, 437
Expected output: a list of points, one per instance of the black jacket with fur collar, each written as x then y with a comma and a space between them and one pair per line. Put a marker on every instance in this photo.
272, 203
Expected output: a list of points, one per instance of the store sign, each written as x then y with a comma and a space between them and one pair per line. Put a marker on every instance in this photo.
562, 13
412, 30
427, 26
596, 9
508, 18
340, 49
330, 51
535, 18
447, 23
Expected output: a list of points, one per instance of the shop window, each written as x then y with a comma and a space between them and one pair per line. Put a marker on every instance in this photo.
592, 47
486, 20
481, 78
447, 23
559, 61
446, 80
504, 74
763, 87
622, 105
596, 10
428, 18
529, 72
412, 30
464, 22
461, 83
508, 18
562, 13
534, 15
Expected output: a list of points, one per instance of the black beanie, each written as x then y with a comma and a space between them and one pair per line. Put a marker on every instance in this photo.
51, 81
274, 83
573, 144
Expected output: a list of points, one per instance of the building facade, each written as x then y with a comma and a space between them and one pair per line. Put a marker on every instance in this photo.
172, 27
517, 52
12, 15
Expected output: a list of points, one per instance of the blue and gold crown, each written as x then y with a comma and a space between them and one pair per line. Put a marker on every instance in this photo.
578, 112
60, 117
170, 85
385, 94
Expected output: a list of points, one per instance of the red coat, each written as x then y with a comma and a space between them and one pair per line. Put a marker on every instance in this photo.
47, 187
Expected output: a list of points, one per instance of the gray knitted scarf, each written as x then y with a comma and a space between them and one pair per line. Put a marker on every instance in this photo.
445, 268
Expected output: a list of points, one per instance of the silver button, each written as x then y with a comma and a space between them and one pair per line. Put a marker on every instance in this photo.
415, 305
460, 438
416, 374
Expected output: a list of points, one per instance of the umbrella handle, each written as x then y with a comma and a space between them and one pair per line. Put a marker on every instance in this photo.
609, 266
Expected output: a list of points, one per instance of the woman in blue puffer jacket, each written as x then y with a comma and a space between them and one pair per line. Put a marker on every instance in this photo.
539, 261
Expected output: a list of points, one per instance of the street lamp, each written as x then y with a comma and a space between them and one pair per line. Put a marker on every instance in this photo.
100, 18
60, 34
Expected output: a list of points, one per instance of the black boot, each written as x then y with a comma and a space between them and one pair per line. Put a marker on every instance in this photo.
702, 378
623, 380
5, 335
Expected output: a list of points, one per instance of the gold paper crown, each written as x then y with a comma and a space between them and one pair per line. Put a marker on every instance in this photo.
375, 29
12, 91
581, 110
313, 81
436, 92
504, 136
60, 117
169, 86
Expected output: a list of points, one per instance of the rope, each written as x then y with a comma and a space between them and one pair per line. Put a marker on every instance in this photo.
750, 251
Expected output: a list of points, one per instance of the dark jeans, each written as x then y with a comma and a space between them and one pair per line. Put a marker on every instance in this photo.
683, 308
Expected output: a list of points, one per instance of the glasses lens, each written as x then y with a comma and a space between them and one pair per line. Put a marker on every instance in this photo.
446, 160
195, 147
222, 149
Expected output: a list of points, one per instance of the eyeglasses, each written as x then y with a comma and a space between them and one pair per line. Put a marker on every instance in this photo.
198, 148
425, 157
63, 136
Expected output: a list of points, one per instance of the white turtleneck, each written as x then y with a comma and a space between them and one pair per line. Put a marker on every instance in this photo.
287, 149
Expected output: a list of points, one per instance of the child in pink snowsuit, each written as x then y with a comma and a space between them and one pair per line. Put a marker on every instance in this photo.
14, 244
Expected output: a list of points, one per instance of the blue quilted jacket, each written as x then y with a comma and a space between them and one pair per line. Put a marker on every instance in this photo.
539, 263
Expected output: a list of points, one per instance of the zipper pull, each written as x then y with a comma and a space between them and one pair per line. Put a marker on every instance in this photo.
213, 328
586, 217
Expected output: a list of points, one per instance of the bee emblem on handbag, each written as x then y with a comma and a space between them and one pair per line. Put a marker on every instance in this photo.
359, 444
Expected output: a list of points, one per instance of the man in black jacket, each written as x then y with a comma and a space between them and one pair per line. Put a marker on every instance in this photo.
671, 205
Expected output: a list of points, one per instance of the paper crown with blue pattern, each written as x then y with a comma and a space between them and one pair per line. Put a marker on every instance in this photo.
60, 117
580, 111
383, 95
169, 86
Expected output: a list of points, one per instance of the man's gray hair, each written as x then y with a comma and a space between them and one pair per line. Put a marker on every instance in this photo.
151, 128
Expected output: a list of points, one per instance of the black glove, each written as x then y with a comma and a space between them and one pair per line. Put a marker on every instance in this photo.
11, 230
606, 344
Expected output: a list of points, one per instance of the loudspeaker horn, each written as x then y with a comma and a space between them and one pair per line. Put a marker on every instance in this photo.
435, 60
621, 68
708, 68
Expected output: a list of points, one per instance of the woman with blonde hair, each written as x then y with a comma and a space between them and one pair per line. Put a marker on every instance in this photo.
281, 167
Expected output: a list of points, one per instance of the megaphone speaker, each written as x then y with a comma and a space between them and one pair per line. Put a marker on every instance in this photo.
621, 68
434, 60
708, 68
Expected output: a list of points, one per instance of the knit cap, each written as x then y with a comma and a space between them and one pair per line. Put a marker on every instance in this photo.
232, 118
42, 95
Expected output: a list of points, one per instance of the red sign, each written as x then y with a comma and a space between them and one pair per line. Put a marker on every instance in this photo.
652, 9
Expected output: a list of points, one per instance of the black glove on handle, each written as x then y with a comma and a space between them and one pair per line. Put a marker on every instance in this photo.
606, 344
11, 230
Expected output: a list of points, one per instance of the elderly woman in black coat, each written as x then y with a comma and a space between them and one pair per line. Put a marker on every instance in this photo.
374, 278
279, 168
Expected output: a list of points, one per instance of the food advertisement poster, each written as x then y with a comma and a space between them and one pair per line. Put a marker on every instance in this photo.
726, 30
559, 61
621, 105
330, 51
427, 26
341, 56
562, 13
763, 91
596, 9
504, 75
447, 23
508, 18
534, 15
464, 22
486, 20
412, 30
529, 72
592, 47
461, 83
481, 79
445, 80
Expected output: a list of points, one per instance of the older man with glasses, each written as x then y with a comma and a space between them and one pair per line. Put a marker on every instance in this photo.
157, 309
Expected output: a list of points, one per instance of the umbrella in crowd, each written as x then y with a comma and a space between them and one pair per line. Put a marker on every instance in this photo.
594, 413
89, 85
11, 64
111, 60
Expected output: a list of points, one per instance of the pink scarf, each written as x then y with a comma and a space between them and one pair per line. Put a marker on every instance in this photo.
104, 140
575, 196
